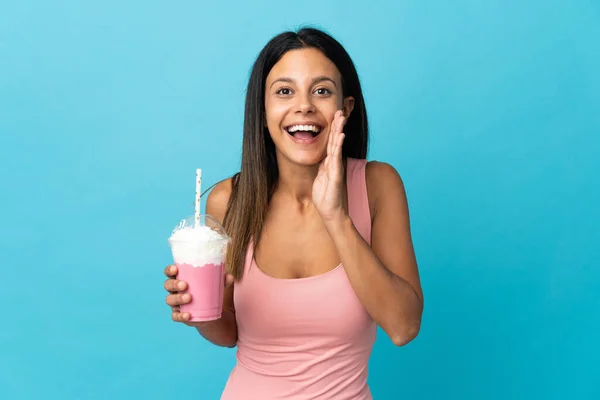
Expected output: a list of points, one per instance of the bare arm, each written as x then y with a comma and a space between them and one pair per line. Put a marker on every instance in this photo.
384, 275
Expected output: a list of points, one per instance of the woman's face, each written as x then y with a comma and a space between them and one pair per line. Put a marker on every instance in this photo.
303, 91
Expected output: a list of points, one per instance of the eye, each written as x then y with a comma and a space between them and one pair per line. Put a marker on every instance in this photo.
284, 91
323, 91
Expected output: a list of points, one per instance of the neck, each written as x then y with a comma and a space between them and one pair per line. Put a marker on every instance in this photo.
296, 181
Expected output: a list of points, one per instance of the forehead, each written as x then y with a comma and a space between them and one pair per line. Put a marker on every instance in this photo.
303, 64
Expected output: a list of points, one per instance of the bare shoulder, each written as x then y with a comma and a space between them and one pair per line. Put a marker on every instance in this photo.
383, 181
218, 199
382, 172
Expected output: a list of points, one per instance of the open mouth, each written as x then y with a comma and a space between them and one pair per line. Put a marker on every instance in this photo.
304, 132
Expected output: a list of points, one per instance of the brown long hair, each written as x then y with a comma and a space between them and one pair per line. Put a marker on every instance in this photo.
254, 184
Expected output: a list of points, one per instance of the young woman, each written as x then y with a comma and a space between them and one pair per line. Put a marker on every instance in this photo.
321, 249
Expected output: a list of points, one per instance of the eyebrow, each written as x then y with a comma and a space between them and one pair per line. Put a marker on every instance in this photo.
315, 80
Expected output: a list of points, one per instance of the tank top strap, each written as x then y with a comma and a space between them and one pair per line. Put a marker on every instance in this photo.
358, 201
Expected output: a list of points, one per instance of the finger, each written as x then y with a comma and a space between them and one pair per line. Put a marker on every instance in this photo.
178, 299
343, 122
184, 316
180, 317
339, 145
171, 271
228, 280
340, 116
336, 159
331, 135
173, 285
338, 134
334, 122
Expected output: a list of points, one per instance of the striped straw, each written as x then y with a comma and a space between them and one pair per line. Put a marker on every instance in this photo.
198, 191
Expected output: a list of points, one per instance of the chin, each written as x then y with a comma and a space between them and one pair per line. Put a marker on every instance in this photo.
303, 158
308, 160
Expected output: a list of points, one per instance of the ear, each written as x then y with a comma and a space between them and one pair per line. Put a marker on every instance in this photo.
348, 106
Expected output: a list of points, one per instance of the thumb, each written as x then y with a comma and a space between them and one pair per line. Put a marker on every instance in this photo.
228, 280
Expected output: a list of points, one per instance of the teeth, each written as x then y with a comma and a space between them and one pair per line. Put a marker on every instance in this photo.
295, 128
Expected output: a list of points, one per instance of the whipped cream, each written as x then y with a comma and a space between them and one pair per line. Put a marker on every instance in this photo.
198, 246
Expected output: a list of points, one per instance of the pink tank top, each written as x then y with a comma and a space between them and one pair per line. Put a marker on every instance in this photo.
306, 338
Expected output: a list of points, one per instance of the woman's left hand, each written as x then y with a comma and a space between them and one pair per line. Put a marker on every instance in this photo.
327, 191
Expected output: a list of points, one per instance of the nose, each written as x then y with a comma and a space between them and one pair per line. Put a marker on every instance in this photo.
305, 104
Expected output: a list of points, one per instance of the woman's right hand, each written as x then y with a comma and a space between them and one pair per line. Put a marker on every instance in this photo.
178, 295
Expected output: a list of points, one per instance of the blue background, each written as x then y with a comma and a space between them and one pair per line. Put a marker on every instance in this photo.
490, 110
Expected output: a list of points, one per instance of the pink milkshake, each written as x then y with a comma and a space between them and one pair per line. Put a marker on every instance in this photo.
199, 254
